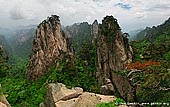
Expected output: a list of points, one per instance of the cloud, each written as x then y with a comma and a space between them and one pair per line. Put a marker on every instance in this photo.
16, 14
158, 7
130, 13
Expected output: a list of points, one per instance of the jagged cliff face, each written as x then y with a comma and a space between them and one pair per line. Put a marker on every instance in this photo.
48, 44
94, 31
113, 53
80, 34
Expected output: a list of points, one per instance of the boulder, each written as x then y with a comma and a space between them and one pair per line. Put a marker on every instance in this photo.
91, 99
67, 103
60, 96
85, 100
57, 92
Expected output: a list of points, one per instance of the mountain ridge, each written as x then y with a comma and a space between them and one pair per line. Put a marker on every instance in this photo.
153, 32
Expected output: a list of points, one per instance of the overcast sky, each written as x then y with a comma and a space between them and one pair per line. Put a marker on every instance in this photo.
131, 14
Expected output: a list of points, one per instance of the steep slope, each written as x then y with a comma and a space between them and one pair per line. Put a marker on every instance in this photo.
48, 44
5, 45
133, 33
154, 32
80, 34
21, 42
94, 31
18, 41
114, 52
113, 49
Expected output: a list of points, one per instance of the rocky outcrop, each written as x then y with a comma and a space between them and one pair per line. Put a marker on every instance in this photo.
48, 44
3, 101
57, 92
94, 31
123, 87
114, 53
59, 96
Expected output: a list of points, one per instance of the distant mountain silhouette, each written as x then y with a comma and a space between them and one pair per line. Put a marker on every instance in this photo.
154, 32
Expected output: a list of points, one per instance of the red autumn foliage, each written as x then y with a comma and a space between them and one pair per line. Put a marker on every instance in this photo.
141, 66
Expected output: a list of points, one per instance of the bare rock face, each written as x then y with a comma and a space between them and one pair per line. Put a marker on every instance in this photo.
56, 93
60, 96
114, 53
48, 44
123, 87
87, 100
94, 30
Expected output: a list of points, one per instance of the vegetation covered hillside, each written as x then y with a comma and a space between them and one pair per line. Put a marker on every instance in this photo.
152, 59
154, 32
